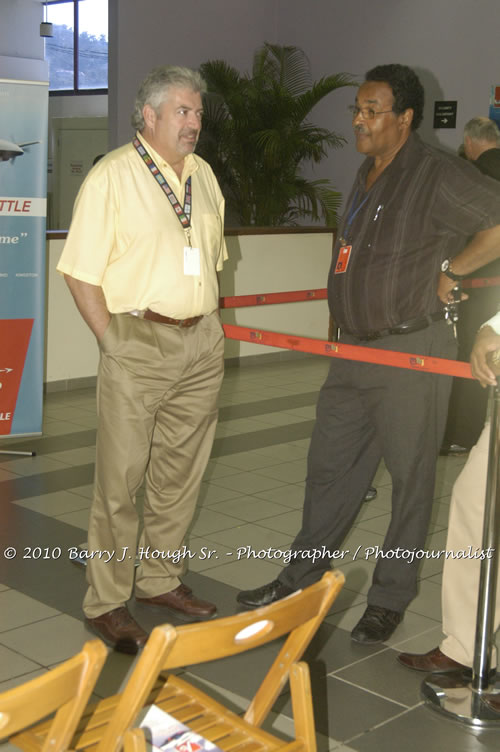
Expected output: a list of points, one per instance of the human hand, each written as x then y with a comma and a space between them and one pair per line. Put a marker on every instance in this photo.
445, 287
487, 342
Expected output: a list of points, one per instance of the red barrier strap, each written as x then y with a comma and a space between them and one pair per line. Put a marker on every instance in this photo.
297, 296
481, 282
268, 298
350, 352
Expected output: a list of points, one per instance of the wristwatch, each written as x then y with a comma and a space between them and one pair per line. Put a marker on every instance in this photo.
446, 269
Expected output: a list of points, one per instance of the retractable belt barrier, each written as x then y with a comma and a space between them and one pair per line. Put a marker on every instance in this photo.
411, 361
349, 352
480, 282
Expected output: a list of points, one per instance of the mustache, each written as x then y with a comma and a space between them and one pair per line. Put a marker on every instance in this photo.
360, 129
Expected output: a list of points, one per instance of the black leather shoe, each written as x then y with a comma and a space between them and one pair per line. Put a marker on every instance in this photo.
453, 450
264, 595
376, 625
371, 494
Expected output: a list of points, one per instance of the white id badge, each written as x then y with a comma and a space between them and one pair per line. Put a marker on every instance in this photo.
192, 261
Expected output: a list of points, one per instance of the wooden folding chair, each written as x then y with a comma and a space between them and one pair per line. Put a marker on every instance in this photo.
65, 690
105, 727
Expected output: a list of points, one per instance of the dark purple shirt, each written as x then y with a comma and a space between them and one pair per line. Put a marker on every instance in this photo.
423, 208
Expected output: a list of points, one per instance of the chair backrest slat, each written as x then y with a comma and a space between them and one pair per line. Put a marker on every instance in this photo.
64, 690
298, 616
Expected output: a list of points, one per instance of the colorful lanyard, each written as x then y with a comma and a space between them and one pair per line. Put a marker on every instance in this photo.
183, 213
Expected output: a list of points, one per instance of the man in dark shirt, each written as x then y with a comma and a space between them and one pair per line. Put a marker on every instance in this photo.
416, 220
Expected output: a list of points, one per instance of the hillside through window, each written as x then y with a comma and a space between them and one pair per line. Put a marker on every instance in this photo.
77, 52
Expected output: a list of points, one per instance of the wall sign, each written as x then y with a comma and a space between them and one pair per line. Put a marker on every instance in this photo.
445, 114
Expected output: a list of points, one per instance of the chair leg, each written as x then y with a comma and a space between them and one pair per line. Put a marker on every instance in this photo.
134, 741
302, 707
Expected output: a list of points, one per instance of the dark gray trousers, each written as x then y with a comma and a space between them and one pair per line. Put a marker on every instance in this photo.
365, 413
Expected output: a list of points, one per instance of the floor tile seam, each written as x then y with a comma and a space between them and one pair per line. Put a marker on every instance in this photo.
26, 658
251, 496
394, 646
250, 470
334, 673
426, 615
219, 482
31, 623
239, 520
404, 712
372, 692
19, 676
47, 514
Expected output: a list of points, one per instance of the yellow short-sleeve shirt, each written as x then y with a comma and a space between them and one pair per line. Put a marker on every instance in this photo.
126, 238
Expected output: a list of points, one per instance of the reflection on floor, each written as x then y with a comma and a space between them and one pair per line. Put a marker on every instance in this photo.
251, 501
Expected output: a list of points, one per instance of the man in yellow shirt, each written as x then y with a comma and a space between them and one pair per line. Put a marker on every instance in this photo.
141, 261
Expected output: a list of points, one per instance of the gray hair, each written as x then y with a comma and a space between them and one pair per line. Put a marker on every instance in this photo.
482, 129
154, 89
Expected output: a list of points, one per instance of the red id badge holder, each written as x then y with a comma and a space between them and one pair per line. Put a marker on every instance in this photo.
343, 259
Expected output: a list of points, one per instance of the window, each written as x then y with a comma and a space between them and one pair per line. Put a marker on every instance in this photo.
77, 52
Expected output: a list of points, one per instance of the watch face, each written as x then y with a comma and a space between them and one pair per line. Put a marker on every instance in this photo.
445, 265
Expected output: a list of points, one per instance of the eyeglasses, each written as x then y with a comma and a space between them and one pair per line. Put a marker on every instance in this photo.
367, 113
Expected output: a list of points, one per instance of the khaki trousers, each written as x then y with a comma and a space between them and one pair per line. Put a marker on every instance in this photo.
157, 395
461, 576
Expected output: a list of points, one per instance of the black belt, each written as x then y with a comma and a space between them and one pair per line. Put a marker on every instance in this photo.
407, 327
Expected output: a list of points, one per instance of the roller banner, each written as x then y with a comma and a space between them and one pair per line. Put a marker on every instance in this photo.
23, 191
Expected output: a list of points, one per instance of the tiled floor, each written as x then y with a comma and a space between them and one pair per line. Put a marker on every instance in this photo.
251, 500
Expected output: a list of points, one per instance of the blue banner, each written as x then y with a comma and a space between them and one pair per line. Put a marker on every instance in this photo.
23, 191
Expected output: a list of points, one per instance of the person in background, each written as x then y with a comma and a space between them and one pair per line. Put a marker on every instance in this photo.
467, 408
465, 530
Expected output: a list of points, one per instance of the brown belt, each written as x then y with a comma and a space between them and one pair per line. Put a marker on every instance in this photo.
159, 319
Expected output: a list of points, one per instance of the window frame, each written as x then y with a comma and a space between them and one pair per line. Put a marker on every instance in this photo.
75, 91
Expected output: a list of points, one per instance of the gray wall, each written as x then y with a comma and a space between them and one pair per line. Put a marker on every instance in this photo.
157, 32
453, 44
21, 47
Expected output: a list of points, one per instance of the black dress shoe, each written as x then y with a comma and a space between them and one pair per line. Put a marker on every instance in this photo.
371, 494
376, 625
264, 595
453, 450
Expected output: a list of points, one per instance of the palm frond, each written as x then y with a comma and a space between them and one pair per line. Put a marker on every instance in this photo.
257, 137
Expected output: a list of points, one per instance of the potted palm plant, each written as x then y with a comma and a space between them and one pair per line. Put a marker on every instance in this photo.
257, 136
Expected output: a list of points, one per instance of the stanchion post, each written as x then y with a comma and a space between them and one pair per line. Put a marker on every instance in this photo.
457, 695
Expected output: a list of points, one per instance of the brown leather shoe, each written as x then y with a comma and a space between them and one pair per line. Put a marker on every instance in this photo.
432, 662
119, 630
183, 604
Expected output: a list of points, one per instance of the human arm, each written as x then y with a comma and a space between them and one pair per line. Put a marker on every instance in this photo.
91, 303
481, 249
487, 341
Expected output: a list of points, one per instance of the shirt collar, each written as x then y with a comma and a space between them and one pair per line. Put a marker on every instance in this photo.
190, 163
408, 156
